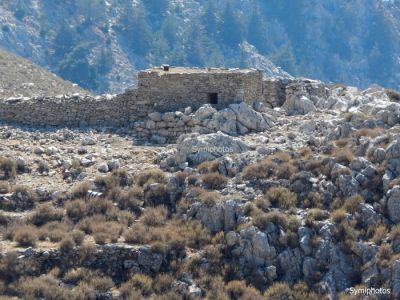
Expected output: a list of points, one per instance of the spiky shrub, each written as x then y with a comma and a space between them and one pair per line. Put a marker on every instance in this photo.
154, 216
285, 170
150, 176
43, 287
384, 256
25, 198
140, 282
208, 167
156, 195
261, 170
81, 189
8, 168
25, 236
343, 155
76, 209
281, 197
282, 290
53, 231
215, 181
45, 213
67, 245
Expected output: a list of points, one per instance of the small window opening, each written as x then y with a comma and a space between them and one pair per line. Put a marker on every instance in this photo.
213, 98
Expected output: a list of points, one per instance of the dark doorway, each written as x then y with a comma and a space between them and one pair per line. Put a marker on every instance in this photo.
213, 98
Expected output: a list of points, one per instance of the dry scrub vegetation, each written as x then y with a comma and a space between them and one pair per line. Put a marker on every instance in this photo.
166, 212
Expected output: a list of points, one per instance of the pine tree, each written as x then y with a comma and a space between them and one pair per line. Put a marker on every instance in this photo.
157, 7
136, 29
170, 30
160, 50
77, 68
285, 58
93, 10
230, 28
195, 44
20, 11
105, 61
64, 40
209, 18
257, 31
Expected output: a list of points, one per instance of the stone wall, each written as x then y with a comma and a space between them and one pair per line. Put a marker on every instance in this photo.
74, 111
237, 119
158, 91
277, 90
180, 87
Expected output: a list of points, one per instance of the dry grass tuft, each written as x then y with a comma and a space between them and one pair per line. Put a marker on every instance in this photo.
150, 176
25, 235
8, 168
210, 198
343, 155
45, 213
214, 181
281, 197
80, 190
154, 216
208, 167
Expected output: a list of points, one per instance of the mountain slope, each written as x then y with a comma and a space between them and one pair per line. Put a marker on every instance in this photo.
20, 77
101, 44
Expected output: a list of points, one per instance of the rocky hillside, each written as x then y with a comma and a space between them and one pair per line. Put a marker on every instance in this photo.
19, 77
297, 202
100, 44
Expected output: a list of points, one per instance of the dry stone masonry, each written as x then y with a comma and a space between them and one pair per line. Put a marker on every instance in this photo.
161, 106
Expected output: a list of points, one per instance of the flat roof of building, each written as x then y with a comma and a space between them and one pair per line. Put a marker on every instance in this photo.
183, 70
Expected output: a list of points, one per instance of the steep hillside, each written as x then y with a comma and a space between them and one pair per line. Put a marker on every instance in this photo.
100, 44
297, 202
19, 77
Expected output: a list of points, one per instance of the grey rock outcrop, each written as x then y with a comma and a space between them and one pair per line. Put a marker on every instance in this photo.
194, 148
223, 216
393, 204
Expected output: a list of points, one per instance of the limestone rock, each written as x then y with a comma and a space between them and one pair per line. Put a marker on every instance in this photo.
205, 112
290, 264
393, 204
393, 150
103, 167
196, 148
298, 105
88, 140
248, 117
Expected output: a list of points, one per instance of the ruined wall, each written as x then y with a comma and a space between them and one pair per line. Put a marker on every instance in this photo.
157, 92
277, 90
75, 110
311, 88
274, 91
171, 91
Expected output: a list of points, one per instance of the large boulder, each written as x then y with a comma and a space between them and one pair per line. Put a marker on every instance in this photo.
251, 247
204, 112
298, 105
393, 204
396, 279
223, 216
250, 118
235, 120
393, 150
195, 148
290, 264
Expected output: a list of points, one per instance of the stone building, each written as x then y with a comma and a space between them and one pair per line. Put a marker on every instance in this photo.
172, 88
163, 89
